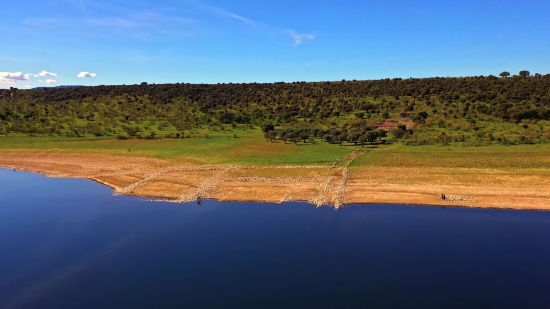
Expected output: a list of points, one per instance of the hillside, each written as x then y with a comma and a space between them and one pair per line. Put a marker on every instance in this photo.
470, 110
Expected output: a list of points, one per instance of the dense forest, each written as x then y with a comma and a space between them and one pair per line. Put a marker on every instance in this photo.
484, 109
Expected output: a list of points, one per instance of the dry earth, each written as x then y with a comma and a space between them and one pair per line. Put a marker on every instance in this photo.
335, 184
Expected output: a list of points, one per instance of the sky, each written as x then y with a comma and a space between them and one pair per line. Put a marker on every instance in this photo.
100, 42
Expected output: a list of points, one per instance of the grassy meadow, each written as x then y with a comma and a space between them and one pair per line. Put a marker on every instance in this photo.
495, 156
247, 148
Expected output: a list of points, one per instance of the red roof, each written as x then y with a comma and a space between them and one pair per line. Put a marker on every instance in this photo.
382, 125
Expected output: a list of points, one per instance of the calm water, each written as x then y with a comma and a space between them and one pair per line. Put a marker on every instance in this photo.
67, 243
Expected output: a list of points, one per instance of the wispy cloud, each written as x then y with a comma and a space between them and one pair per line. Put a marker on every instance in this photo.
169, 20
226, 13
234, 16
241, 18
13, 77
138, 25
300, 38
51, 81
86, 74
13, 59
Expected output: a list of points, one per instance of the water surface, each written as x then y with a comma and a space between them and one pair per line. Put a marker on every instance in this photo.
68, 243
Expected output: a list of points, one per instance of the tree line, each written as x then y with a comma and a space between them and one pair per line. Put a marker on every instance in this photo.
356, 133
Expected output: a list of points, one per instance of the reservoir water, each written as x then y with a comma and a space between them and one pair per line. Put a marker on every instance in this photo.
68, 243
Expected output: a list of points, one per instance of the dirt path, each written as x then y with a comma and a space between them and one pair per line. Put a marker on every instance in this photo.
206, 186
341, 193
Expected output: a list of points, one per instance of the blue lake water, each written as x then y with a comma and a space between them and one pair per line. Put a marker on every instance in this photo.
68, 243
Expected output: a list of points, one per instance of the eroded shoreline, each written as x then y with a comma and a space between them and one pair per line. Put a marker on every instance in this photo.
177, 181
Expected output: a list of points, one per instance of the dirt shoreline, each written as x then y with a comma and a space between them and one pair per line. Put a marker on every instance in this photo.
177, 181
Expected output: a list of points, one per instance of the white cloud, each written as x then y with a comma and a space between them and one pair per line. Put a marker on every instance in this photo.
299, 38
51, 81
86, 74
13, 77
45, 74
222, 12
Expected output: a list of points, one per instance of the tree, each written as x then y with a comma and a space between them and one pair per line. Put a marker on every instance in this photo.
371, 136
420, 117
504, 74
291, 136
304, 136
132, 131
524, 73
272, 135
353, 137
268, 127
444, 138
381, 133
342, 137
362, 139
398, 132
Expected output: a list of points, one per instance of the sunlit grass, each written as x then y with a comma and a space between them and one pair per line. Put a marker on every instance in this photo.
455, 156
248, 148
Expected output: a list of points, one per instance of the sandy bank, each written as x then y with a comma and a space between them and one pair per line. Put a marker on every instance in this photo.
320, 185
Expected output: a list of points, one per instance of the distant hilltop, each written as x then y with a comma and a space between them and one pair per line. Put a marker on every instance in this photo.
59, 87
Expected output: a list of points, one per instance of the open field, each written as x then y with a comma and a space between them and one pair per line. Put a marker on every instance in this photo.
249, 148
248, 168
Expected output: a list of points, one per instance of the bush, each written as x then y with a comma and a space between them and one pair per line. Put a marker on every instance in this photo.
268, 127
151, 135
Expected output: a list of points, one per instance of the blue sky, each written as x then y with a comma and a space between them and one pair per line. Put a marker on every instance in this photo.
51, 42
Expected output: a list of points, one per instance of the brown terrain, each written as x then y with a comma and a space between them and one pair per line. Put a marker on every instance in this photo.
336, 184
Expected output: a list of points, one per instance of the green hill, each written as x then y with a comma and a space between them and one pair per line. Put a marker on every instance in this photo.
468, 110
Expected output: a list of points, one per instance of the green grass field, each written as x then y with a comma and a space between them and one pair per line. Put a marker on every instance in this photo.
249, 148
535, 156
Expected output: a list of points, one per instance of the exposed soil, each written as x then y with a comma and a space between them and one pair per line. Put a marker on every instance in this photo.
336, 184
